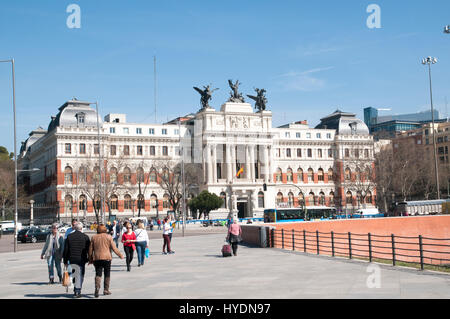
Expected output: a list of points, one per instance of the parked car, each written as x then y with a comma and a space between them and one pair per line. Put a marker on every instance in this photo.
7, 226
32, 235
63, 228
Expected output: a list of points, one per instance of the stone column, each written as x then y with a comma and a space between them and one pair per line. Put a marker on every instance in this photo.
266, 164
229, 165
254, 201
233, 162
252, 162
208, 164
214, 162
31, 213
248, 169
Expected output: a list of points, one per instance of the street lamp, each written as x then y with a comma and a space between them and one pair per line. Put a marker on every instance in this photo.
429, 60
15, 149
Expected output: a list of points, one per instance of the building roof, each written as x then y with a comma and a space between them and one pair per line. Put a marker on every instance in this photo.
344, 123
70, 111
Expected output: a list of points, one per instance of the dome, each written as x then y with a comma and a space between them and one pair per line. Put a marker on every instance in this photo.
344, 123
75, 113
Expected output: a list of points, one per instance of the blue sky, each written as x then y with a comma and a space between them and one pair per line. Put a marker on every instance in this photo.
311, 56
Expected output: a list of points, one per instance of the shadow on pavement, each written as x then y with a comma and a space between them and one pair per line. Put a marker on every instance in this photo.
31, 283
217, 256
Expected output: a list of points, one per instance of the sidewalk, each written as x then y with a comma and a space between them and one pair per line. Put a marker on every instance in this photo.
197, 270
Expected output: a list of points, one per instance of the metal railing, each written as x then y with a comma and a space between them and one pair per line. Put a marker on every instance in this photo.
417, 250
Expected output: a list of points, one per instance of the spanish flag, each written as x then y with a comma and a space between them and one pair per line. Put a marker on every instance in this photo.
241, 170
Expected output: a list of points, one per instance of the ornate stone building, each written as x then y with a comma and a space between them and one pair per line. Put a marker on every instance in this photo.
299, 165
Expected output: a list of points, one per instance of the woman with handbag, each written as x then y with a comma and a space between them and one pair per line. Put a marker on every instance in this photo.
128, 240
234, 236
53, 251
141, 242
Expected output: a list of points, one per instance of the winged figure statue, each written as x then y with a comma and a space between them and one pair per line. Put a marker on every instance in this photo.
206, 95
260, 99
235, 97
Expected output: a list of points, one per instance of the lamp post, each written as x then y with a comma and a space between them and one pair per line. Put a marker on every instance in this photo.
101, 190
429, 60
15, 149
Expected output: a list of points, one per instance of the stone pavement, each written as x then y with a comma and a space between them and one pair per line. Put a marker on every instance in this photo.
197, 271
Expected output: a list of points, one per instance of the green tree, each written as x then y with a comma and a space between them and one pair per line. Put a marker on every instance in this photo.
205, 202
4, 154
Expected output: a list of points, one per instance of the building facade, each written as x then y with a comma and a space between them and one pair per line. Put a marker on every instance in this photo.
287, 166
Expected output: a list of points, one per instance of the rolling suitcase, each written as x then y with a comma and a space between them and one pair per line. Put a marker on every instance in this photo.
226, 250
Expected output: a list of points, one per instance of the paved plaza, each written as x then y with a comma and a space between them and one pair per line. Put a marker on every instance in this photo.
197, 271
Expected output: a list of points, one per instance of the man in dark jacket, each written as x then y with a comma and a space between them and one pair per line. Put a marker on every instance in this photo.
76, 248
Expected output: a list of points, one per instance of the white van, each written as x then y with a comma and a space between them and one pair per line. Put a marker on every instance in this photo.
8, 225
367, 211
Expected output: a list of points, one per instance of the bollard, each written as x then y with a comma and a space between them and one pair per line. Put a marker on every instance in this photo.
282, 238
421, 252
370, 247
393, 249
293, 240
332, 243
304, 240
317, 241
349, 245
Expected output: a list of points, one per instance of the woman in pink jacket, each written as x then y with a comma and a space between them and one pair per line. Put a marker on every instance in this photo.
234, 235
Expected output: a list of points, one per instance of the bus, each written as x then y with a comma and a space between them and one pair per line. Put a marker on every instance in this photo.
422, 207
280, 215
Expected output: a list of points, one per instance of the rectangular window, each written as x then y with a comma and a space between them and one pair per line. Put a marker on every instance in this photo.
112, 130
113, 150
308, 135
126, 150
287, 134
96, 149
138, 130
366, 153
347, 152
152, 150
126, 130
139, 150
299, 152
177, 131
319, 153
165, 151
164, 131
82, 148
151, 131
297, 135
318, 135
288, 152
68, 148
330, 152
328, 135
309, 152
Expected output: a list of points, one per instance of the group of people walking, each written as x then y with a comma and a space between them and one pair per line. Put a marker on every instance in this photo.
75, 249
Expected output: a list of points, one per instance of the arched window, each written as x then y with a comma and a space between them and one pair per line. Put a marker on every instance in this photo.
330, 175
291, 199
153, 175
358, 174
113, 175
300, 175
141, 202
154, 201
369, 198
224, 198
279, 198
311, 199
82, 172
261, 200
358, 197
310, 175
140, 175
166, 201
126, 175
331, 198
165, 174
278, 175
301, 199
320, 174
321, 198
68, 175
127, 204
97, 203
113, 202
349, 198
289, 175
68, 204
96, 174
82, 203
368, 174
347, 174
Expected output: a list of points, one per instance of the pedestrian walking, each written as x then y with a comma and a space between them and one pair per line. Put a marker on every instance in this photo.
100, 255
141, 242
158, 221
53, 251
76, 249
234, 236
166, 232
114, 231
128, 240
70, 229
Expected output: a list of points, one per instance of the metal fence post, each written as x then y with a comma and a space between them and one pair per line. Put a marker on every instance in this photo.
393, 249
317, 240
421, 251
293, 240
370, 247
349, 245
272, 237
332, 243
304, 240
282, 238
